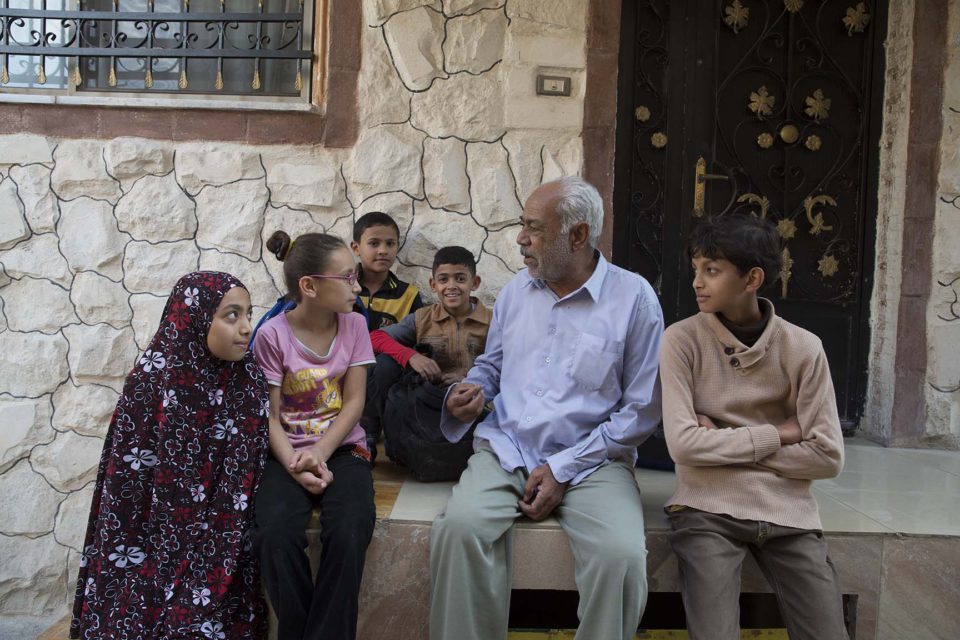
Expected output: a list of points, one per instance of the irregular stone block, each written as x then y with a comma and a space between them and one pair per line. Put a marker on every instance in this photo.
38, 257
98, 299
376, 12
25, 149
253, 275
474, 43
13, 224
462, 106
460, 7
100, 354
32, 575
568, 51
303, 180
415, 40
536, 156
231, 217
21, 486
155, 268
71, 524
79, 171
492, 187
502, 243
157, 209
23, 425
565, 14
147, 310
386, 158
32, 364
89, 237
37, 305
494, 276
214, 164
69, 462
129, 158
86, 409
40, 203
381, 95
445, 174
436, 228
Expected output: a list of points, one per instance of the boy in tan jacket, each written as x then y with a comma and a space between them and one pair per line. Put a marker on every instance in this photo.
750, 419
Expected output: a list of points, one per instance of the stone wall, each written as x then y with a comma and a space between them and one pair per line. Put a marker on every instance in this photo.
943, 373
94, 233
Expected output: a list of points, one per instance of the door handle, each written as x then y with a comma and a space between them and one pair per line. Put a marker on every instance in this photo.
700, 188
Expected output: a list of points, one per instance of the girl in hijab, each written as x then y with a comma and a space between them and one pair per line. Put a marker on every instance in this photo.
167, 553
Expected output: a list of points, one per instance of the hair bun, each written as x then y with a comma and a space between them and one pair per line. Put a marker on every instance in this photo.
279, 245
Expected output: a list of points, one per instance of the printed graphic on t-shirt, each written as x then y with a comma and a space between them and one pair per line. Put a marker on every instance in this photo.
311, 400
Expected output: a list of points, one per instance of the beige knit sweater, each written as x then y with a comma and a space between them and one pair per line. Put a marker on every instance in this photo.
740, 469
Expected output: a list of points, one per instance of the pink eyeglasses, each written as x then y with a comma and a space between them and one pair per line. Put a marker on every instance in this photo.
350, 278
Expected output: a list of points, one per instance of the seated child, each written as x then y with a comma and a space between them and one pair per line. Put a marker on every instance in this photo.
385, 300
750, 419
437, 345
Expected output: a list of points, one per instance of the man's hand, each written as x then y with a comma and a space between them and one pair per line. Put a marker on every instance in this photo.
789, 431
465, 402
426, 367
542, 494
706, 422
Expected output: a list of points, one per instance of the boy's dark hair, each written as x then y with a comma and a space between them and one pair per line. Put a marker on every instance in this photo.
744, 240
455, 255
307, 255
373, 219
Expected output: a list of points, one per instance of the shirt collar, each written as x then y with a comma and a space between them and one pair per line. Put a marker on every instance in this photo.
390, 283
593, 285
746, 356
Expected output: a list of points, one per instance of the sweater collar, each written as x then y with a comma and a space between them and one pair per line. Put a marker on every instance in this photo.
739, 355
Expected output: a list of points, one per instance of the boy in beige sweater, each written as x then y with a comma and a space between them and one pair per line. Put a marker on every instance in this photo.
750, 419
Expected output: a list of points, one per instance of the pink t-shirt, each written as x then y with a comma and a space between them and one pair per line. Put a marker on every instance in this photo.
311, 385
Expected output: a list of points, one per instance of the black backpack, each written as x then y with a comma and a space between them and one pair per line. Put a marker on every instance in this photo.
411, 429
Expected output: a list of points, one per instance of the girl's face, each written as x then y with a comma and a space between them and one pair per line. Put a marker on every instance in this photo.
338, 290
229, 332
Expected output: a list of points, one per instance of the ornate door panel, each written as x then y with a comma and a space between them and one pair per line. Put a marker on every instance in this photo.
761, 106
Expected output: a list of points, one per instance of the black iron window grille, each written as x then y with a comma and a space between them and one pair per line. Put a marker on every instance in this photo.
235, 47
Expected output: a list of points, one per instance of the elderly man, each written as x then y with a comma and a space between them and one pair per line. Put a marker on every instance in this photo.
571, 367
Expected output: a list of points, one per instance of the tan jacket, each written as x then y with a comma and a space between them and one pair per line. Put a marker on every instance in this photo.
455, 345
741, 469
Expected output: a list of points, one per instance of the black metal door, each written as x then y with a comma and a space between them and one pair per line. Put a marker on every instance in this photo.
762, 106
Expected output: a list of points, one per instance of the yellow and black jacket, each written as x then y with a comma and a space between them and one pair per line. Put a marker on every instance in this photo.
390, 304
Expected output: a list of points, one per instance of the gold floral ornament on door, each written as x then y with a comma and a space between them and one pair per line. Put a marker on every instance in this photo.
856, 19
737, 16
761, 102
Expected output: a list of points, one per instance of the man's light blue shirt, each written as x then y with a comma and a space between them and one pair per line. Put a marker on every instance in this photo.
574, 381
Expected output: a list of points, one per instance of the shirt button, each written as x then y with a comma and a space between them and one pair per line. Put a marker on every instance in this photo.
547, 359
540, 392
552, 331
728, 351
529, 418
734, 362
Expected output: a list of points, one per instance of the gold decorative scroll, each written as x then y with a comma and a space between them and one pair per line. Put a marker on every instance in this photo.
856, 19
761, 102
42, 75
816, 221
793, 5
818, 106
828, 265
786, 271
148, 80
112, 78
183, 79
218, 83
754, 198
75, 78
255, 84
786, 228
737, 16
298, 81
4, 75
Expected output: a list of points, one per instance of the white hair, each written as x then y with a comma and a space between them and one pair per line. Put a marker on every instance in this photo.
579, 201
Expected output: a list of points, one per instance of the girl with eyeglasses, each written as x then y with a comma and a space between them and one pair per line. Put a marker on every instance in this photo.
314, 357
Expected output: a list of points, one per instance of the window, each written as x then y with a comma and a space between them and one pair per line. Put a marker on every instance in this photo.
158, 47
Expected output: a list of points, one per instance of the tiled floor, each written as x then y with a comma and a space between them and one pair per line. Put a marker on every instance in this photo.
911, 491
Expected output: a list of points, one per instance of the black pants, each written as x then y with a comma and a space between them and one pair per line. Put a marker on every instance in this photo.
383, 375
328, 608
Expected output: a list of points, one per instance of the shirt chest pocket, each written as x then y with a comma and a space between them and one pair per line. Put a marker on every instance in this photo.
596, 362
